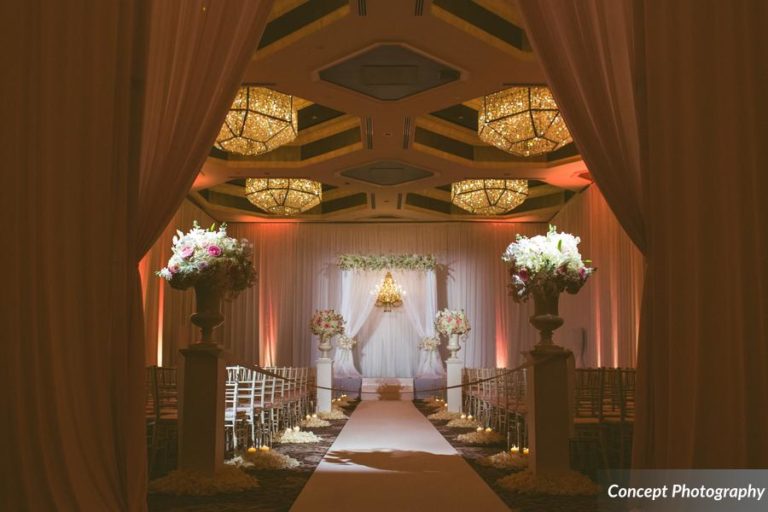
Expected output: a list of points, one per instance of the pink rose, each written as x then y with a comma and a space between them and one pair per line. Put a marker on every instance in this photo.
174, 269
187, 251
214, 250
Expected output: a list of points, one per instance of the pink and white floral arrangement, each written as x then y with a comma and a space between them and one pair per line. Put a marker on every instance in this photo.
326, 323
449, 322
429, 343
547, 263
212, 258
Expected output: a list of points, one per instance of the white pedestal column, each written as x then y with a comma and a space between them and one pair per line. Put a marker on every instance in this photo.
549, 414
324, 380
455, 367
201, 425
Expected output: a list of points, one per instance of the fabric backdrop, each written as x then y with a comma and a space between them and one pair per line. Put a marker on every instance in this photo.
605, 314
70, 134
296, 265
646, 75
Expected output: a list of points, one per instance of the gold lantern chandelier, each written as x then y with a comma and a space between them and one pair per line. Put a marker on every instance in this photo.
489, 197
284, 196
259, 120
524, 121
389, 294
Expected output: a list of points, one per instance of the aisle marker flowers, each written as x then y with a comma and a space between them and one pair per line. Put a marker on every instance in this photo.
212, 258
546, 263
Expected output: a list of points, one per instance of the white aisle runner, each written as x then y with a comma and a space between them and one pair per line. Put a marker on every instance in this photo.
389, 457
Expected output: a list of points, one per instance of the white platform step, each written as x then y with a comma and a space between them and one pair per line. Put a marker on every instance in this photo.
386, 388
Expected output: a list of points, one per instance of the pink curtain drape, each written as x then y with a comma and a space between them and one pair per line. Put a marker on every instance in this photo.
606, 312
72, 424
198, 51
697, 198
167, 311
589, 51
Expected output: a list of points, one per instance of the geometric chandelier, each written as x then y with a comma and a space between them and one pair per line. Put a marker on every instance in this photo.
284, 196
523, 120
259, 120
489, 196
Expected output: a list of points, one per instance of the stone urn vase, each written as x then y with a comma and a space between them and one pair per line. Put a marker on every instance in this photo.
545, 317
453, 345
208, 311
324, 346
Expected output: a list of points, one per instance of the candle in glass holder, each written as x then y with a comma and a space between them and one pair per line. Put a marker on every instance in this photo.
525, 451
463, 416
308, 416
296, 428
470, 417
479, 429
264, 448
488, 429
314, 416
514, 449
251, 450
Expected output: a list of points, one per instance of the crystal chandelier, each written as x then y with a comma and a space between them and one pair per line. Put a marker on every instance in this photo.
489, 197
259, 120
389, 294
283, 196
523, 120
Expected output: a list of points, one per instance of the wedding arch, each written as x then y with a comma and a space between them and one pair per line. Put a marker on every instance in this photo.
359, 276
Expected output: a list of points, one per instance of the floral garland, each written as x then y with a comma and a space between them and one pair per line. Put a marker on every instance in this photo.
449, 322
545, 264
429, 343
346, 343
326, 323
211, 258
386, 262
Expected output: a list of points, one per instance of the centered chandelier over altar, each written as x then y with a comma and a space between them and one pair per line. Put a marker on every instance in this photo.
388, 293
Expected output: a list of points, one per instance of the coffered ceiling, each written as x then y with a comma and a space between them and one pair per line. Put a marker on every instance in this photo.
388, 96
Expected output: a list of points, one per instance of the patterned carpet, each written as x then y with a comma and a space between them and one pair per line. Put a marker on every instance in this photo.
278, 489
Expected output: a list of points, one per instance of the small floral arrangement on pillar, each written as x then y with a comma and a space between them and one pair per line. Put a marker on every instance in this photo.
544, 266
429, 343
217, 265
326, 323
452, 323
346, 343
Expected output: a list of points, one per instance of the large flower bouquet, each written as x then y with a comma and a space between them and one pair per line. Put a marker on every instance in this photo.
546, 263
210, 257
326, 323
451, 322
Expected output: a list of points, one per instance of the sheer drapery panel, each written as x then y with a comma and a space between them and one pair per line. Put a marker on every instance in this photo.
602, 321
